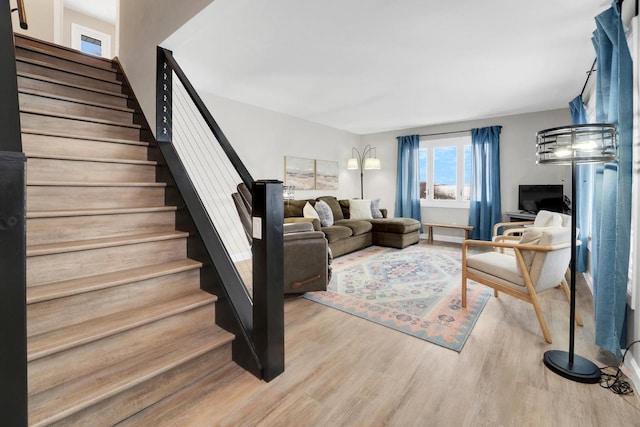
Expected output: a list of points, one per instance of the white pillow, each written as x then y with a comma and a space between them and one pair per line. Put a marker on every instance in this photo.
309, 212
531, 236
548, 219
360, 209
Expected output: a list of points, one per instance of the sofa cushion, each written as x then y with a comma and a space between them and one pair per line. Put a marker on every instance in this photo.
395, 225
334, 205
324, 213
357, 227
336, 232
344, 204
293, 208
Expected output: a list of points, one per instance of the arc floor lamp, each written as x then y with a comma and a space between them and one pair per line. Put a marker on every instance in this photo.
572, 145
361, 161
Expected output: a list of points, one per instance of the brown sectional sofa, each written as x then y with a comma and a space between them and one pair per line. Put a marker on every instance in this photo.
349, 235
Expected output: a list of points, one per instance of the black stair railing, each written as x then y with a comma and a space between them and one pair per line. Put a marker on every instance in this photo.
13, 319
259, 320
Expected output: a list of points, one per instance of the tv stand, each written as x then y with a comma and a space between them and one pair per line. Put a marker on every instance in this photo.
520, 216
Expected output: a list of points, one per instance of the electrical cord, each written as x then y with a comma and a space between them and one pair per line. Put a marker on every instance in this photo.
614, 382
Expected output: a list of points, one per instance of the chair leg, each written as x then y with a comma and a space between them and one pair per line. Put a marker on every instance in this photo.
567, 293
543, 323
495, 293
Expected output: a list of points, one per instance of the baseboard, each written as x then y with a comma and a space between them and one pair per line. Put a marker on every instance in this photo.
632, 370
589, 279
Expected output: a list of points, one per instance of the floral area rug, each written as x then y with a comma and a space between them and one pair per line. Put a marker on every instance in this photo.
415, 290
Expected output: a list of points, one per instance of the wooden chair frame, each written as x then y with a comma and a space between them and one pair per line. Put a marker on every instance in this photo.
506, 242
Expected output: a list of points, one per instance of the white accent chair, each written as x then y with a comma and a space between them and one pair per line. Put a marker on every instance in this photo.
536, 262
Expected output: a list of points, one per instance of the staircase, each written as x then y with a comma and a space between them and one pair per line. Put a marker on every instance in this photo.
116, 319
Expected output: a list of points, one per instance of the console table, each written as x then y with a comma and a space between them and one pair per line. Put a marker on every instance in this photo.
520, 216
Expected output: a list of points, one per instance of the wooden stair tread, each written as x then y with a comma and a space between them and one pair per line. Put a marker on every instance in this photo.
83, 245
77, 86
55, 341
92, 138
66, 399
92, 212
93, 184
79, 118
66, 70
21, 41
70, 287
108, 65
76, 100
34, 155
175, 409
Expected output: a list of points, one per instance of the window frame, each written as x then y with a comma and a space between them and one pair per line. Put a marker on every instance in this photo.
430, 143
77, 31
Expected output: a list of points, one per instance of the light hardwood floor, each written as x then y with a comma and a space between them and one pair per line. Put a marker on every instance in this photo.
346, 371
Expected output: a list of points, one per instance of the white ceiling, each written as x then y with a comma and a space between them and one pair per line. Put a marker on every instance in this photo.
104, 10
374, 65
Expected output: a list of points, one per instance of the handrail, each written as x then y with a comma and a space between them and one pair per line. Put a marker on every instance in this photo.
13, 319
260, 323
204, 111
22, 15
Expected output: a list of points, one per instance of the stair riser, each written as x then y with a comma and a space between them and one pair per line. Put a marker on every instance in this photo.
66, 64
51, 145
25, 67
54, 314
110, 411
78, 128
71, 92
65, 53
43, 198
53, 105
82, 171
65, 229
56, 267
55, 369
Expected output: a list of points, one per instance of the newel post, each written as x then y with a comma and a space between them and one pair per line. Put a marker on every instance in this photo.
268, 287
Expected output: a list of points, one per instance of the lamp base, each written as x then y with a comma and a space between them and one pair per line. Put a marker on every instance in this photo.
582, 370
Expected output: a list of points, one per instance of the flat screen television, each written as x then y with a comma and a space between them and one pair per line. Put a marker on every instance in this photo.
534, 198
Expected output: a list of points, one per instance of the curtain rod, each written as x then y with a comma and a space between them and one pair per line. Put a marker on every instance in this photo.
593, 66
449, 133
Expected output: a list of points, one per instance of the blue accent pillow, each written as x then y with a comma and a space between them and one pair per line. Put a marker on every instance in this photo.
375, 209
324, 212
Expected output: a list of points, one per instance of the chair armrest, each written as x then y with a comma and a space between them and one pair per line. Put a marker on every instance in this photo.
297, 227
514, 245
294, 219
305, 235
496, 228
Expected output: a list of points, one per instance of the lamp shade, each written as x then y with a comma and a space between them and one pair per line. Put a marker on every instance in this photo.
352, 163
589, 143
372, 163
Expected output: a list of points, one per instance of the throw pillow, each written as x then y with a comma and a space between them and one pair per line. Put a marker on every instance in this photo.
375, 209
360, 209
531, 236
309, 212
324, 213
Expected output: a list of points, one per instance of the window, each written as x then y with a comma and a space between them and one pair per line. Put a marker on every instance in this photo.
445, 171
90, 41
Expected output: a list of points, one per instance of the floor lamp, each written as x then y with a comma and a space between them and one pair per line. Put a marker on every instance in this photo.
572, 145
362, 162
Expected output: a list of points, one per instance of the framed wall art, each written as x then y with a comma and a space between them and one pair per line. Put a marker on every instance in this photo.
299, 173
326, 175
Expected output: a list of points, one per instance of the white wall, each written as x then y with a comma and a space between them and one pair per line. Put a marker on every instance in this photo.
262, 138
143, 25
72, 16
517, 162
40, 17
